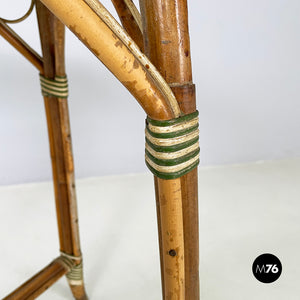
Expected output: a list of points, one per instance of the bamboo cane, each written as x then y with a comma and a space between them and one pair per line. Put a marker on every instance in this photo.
167, 45
170, 197
52, 40
131, 20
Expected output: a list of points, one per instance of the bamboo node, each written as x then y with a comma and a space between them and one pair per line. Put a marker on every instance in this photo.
172, 146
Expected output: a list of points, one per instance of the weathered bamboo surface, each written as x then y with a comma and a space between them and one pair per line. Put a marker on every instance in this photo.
167, 45
170, 206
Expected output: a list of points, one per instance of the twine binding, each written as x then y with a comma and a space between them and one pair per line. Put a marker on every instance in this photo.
172, 146
67, 263
75, 273
75, 276
57, 87
69, 256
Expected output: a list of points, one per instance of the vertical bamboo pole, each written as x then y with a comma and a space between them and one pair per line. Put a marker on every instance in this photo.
52, 41
166, 41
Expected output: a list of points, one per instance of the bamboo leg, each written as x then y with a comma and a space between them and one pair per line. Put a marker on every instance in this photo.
167, 45
36, 285
52, 40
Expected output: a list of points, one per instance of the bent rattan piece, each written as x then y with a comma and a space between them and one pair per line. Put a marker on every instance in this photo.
171, 97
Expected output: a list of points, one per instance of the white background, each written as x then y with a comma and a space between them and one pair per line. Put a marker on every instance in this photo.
246, 67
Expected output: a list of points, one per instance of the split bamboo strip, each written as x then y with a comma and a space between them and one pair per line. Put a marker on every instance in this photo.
20, 45
131, 20
35, 286
112, 45
167, 45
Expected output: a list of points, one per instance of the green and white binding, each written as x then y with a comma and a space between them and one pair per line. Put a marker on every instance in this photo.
172, 146
57, 87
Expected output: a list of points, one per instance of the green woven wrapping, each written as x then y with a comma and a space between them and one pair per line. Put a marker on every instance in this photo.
172, 146
57, 87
